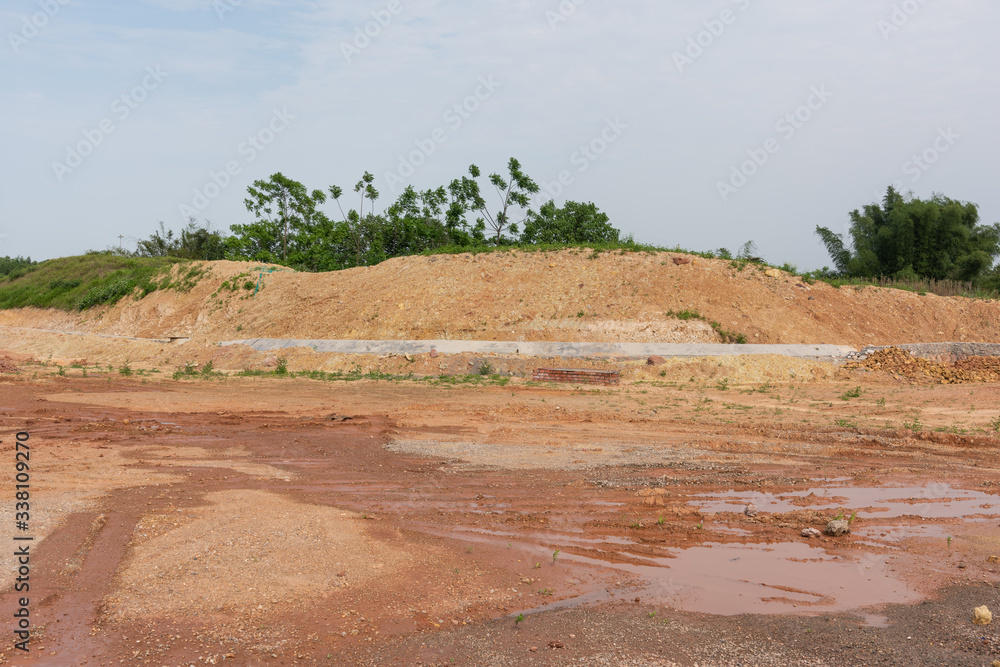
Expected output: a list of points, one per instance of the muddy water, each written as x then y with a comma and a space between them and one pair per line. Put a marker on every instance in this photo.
933, 501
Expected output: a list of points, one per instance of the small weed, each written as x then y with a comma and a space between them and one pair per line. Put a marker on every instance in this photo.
545, 591
853, 393
537, 566
914, 425
282, 367
701, 525
189, 369
555, 555
468, 550
125, 370
519, 619
660, 521
722, 385
949, 541
995, 424
485, 368
580, 314
651, 614
61, 371
880, 402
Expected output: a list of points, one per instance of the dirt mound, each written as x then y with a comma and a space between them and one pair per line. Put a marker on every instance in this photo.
8, 365
902, 363
570, 295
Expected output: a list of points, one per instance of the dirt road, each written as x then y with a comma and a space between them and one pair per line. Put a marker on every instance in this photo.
288, 521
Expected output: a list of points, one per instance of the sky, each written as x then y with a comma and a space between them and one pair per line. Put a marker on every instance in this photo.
692, 123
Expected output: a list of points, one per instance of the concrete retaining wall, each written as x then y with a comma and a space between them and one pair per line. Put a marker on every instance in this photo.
540, 349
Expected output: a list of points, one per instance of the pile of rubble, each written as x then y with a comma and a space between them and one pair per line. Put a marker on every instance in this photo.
902, 363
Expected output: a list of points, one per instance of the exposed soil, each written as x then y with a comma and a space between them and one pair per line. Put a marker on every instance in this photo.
560, 296
288, 521
454, 519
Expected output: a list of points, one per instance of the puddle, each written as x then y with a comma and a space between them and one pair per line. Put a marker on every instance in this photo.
935, 501
788, 577
875, 620
899, 533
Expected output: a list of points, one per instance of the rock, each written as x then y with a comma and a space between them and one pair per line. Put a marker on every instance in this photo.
555, 645
982, 616
993, 559
342, 573
773, 273
995, 663
408, 358
811, 532
750, 510
655, 360
838, 527
270, 362
681, 260
533, 649
434, 353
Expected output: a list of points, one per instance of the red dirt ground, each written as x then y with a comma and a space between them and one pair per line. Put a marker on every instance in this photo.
289, 521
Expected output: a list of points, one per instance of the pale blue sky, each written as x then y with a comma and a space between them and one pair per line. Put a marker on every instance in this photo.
200, 78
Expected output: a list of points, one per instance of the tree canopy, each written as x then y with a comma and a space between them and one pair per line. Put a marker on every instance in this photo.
291, 228
906, 237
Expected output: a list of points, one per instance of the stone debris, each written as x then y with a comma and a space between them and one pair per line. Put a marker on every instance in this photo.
653, 496
982, 616
750, 510
901, 362
655, 360
838, 527
811, 532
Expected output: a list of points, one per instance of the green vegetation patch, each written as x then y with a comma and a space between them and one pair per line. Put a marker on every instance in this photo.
78, 283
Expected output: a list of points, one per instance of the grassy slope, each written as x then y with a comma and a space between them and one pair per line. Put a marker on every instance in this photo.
88, 280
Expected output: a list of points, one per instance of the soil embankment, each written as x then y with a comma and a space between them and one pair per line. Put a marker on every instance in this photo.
517, 296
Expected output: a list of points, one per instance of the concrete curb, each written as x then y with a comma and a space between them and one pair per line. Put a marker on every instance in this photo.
547, 349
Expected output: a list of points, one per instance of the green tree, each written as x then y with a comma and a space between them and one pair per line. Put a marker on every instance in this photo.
513, 192
15, 267
573, 223
289, 229
196, 241
906, 237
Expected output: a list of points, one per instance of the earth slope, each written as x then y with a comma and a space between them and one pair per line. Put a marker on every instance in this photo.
558, 296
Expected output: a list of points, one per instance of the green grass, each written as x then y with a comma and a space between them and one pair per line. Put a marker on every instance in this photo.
726, 336
78, 283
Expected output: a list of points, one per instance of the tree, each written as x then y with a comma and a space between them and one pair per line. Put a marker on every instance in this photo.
289, 229
571, 224
906, 237
196, 241
513, 192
